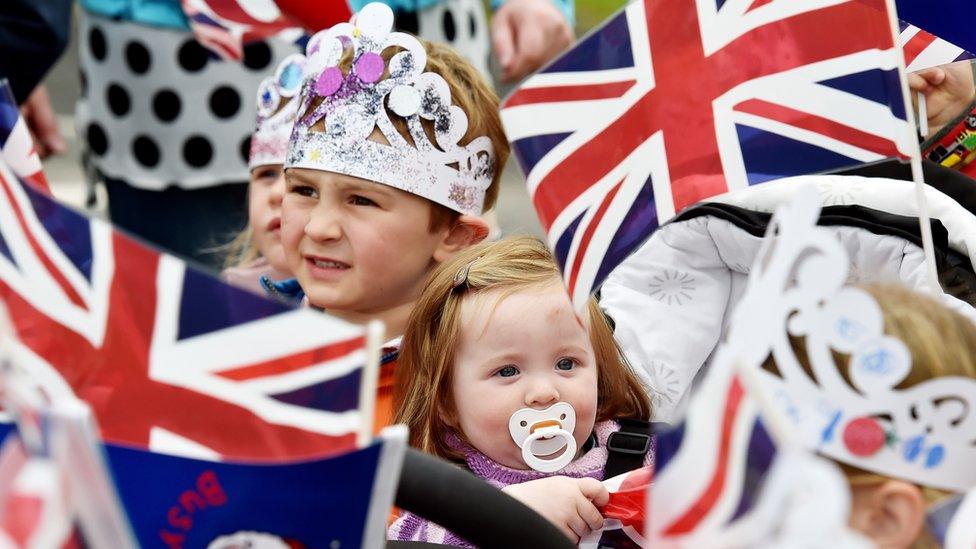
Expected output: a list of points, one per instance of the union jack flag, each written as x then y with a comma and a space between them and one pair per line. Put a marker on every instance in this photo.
708, 469
169, 357
625, 512
224, 26
671, 102
924, 50
16, 144
953, 522
947, 19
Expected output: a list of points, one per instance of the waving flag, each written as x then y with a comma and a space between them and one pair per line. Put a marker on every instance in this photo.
62, 486
953, 522
948, 19
171, 358
625, 512
709, 469
224, 26
672, 102
342, 501
16, 143
924, 50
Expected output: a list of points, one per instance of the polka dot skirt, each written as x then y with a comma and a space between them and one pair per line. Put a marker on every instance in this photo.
158, 109
461, 24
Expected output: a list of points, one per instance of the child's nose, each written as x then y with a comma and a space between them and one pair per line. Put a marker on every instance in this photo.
541, 394
277, 191
324, 224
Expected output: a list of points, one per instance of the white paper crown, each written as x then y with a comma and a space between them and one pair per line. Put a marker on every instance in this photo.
353, 104
925, 433
269, 143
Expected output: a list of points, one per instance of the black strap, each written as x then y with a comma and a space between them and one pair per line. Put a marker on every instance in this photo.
627, 447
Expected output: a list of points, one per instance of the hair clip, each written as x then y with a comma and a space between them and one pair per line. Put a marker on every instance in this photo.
461, 276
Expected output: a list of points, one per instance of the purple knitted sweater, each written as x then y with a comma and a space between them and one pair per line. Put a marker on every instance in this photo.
410, 527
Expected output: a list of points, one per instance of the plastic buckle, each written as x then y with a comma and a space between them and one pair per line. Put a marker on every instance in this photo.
625, 448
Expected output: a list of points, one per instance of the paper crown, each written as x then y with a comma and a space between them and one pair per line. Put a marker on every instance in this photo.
351, 104
923, 433
277, 112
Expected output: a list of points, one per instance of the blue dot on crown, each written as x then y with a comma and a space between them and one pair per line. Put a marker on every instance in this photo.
291, 77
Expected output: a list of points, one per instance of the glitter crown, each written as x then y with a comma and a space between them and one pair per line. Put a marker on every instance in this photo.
353, 104
277, 112
924, 433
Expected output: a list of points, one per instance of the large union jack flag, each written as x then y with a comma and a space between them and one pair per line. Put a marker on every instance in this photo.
671, 102
169, 357
924, 50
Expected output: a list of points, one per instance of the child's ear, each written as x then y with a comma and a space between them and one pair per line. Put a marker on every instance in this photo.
890, 513
467, 231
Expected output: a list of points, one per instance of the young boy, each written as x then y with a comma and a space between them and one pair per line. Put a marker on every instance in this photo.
396, 153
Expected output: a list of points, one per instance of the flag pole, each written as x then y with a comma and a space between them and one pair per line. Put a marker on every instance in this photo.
369, 382
915, 155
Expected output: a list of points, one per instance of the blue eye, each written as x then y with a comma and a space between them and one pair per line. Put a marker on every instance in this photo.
565, 364
508, 371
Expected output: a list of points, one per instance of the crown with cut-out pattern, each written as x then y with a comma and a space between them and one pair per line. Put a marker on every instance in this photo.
924, 433
277, 110
343, 108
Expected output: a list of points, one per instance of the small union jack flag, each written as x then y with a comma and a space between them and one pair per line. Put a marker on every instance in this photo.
169, 357
924, 50
953, 522
673, 102
625, 512
948, 19
16, 144
224, 26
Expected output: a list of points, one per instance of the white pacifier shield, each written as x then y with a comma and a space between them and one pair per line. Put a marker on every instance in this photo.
545, 432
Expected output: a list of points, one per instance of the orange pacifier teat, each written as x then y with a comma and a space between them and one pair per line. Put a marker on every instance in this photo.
543, 433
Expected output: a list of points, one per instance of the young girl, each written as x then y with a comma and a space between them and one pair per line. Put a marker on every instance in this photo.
494, 354
256, 253
889, 511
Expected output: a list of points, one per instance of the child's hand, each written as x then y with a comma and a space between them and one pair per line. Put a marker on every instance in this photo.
948, 91
569, 503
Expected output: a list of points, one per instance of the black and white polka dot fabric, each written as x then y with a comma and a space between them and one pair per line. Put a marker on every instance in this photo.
158, 109
461, 24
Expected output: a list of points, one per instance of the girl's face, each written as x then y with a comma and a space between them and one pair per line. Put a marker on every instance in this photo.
526, 350
264, 212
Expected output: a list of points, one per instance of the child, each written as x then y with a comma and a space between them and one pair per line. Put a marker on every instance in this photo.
256, 254
388, 170
890, 511
397, 151
494, 344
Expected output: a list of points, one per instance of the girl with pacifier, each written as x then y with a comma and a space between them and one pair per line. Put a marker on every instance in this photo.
498, 374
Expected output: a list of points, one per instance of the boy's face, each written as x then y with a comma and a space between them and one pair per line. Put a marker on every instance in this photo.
264, 212
356, 246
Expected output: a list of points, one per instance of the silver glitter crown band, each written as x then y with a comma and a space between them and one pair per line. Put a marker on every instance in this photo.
354, 105
269, 143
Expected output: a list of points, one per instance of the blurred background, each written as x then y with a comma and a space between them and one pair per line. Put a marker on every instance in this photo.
65, 173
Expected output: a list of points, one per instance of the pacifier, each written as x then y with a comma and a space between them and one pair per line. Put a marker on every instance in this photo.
543, 433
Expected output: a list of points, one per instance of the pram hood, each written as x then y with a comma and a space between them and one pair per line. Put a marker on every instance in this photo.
671, 299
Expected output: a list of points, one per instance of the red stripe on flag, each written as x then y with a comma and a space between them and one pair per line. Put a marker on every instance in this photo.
530, 96
700, 509
758, 4
588, 234
916, 45
296, 361
44, 259
813, 123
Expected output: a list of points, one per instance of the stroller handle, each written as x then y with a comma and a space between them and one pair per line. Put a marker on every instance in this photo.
470, 507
